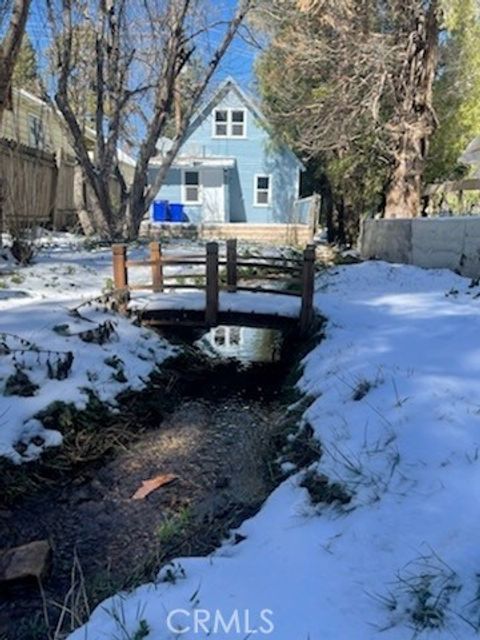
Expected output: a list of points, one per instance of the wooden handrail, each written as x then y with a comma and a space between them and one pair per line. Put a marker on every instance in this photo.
308, 288
211, 303
272, 267
279, 292
157, 266
299, 261
181, 261
181, 276
149, 286
232, 265
235, 280
120, 272
138, 263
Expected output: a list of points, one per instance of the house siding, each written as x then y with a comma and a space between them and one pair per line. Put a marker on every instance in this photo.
15, 123
15, 127
256, 154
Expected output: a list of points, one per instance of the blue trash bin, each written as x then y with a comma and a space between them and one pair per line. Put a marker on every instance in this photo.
176, 212
160, 211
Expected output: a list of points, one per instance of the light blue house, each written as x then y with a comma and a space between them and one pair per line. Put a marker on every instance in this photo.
230, 170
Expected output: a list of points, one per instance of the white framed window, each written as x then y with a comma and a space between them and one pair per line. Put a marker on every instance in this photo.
36, 132
235, 336
262, 191
219, 336
191, 187
237, 123
229, 123
225, 336
220, 117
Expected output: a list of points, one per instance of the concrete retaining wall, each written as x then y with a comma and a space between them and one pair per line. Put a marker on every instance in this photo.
275, 234
451, 243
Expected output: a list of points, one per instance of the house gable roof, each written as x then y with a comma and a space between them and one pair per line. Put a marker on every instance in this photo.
228, 84
220, 92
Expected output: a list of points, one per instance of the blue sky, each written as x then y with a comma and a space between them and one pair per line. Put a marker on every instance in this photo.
240, 58
238, 62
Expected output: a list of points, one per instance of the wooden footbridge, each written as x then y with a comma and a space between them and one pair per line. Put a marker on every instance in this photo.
219, 288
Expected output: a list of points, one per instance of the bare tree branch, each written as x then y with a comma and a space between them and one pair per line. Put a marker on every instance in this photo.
135, 78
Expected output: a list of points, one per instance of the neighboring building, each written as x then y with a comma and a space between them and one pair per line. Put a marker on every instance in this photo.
34, 123
230, 170
471, 158
37, 124
461, 196
43, 183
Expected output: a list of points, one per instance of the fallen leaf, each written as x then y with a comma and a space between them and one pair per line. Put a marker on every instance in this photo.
152, 484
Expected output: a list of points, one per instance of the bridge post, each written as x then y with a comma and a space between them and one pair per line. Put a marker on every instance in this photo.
120, 272
157, 266
232, 265
211, 306
308, 288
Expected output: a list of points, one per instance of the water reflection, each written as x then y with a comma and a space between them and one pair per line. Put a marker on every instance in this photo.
243, 343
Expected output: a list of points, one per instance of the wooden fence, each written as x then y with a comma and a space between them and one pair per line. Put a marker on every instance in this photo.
29, 180
36, 186
296, 275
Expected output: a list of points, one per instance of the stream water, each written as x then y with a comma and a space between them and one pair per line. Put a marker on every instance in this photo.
218, 438
245, 344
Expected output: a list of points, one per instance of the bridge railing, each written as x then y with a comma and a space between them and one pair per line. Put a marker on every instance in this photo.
229, 271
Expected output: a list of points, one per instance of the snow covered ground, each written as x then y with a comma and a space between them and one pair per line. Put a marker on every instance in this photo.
37, 331
244, 301
396, 405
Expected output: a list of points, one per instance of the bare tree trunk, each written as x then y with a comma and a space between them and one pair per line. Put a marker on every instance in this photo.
89, 217
416, 120
403, 196
326, 207
340, 231
9, 48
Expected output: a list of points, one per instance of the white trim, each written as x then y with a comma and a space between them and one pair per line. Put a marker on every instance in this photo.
197, 202
229, 123
204, 163
255, 190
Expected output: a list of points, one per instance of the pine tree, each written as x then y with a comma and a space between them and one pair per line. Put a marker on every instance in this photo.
456, 91
25, 74
385, 94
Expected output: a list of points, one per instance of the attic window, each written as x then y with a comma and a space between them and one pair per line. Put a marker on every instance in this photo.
221, 123
238, 123
229, 123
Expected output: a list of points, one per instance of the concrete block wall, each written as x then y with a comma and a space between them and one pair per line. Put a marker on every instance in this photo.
450, 243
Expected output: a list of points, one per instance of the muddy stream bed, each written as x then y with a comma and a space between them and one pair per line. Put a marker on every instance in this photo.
219, 434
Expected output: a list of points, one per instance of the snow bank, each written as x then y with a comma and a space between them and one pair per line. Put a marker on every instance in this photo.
35, 304
397, 410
